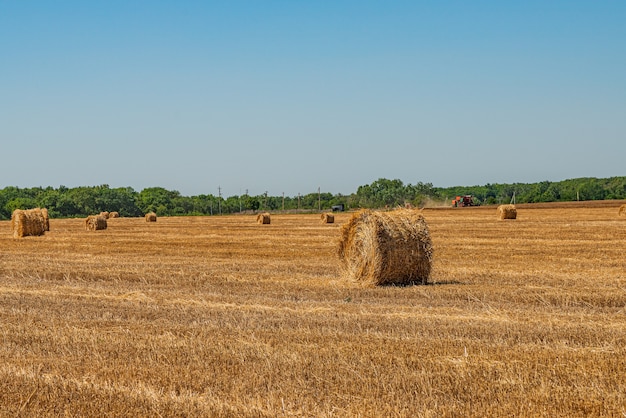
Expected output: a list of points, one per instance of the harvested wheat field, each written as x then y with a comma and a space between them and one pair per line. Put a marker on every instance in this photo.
214, 316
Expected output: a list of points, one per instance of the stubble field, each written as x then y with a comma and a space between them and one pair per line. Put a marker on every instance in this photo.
220, 316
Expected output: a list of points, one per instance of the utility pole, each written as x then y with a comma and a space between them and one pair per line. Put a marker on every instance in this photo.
298, 202
219, 198
319, 200
283, 201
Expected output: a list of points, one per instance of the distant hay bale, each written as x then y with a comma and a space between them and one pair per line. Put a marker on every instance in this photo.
46, 219
151, 217
622, 210
328, 218
114, 215
379, 248
507, 212
30, 222
263, 218
105, 215
95, 223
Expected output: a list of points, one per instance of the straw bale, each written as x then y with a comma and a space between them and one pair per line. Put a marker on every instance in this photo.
105, 215
30, 222
95, 223
328, 218
263, 218
46, 219
114, 215
379, 248
151, 217
507, 212
622, 210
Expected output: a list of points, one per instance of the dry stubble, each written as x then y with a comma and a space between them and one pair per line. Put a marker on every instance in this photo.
216, 316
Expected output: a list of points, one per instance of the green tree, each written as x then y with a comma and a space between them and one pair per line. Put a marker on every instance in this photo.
158, 200
251, 203
20, 203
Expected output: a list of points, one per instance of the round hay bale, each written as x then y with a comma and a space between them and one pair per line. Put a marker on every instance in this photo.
30, 222
95, 223
379, 248
151, 217
105, 215
114, 215
46, 219
507, 212
622, 210
263, 218
328, 218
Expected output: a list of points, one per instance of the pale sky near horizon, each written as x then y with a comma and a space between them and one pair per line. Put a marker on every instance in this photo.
289, 96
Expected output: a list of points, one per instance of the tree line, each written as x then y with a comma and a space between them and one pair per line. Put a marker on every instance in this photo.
64, 202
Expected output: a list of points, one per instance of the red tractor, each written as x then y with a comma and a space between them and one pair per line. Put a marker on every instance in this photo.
464, 201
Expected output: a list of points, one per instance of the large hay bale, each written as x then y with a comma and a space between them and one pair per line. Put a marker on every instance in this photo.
151, 217
622, 210
113, 215
263, 218
507, 212
378, 248
95, 223
30, 222
328, 218
105, 215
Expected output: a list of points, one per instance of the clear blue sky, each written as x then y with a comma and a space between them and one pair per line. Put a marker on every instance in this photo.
288, 96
